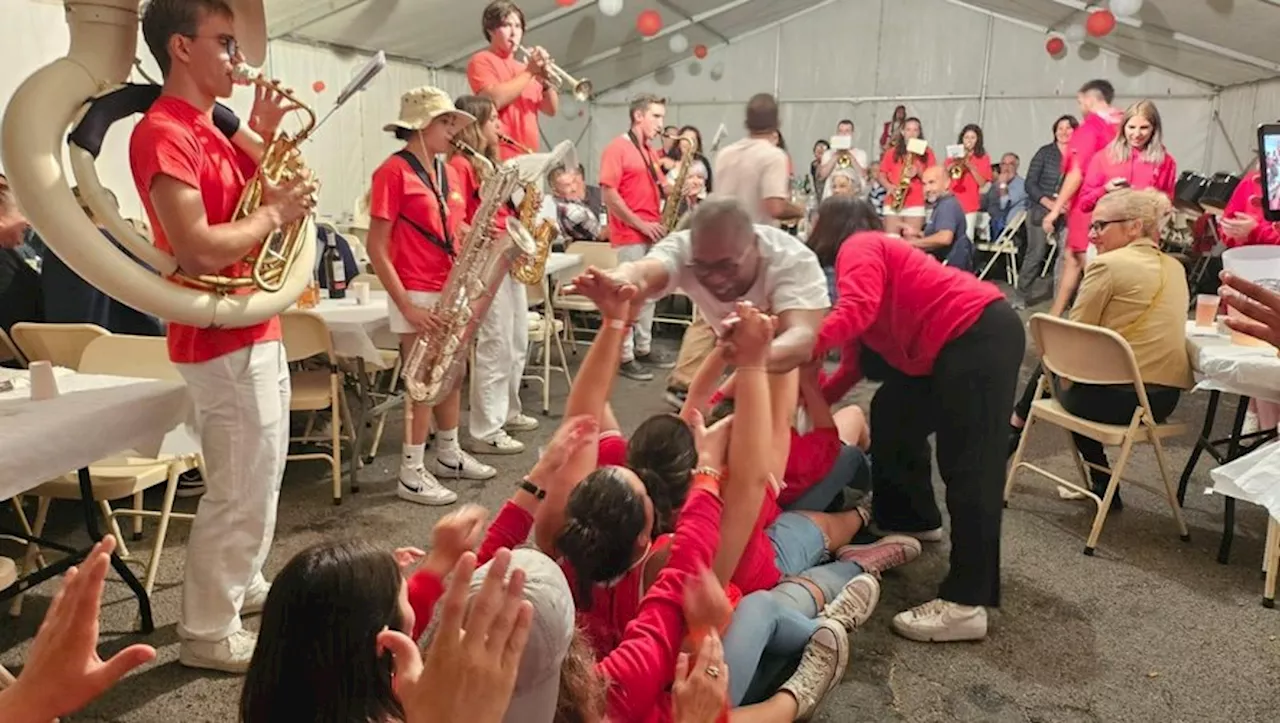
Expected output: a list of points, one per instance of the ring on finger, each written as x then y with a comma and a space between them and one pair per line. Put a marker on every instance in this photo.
713, 671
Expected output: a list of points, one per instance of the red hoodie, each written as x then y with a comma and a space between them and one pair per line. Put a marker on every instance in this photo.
1096, 131
1139, 173
1246, 201
901, 303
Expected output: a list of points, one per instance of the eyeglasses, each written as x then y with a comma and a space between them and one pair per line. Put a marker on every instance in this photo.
724, 267
1097, 227
228, 43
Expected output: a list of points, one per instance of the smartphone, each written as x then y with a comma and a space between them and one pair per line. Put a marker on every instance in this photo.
1269, 169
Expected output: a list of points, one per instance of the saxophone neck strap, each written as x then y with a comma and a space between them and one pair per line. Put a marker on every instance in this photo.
444, 243
647, 158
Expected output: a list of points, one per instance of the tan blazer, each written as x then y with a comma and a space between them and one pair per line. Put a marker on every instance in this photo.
1118, 288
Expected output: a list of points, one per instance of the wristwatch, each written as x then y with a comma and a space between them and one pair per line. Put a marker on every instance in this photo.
533, 489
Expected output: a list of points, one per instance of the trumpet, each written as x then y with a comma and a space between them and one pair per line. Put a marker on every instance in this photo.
959, 166
557, 76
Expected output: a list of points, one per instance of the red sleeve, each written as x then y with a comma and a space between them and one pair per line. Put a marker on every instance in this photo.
643, 664
509, 529
386, 193
164, 149
984, 169
1167, 178
1080, 148
1242, 202
1094, 186
848, 374
860, 280
611, 449
424, 590
611, 166
482, 71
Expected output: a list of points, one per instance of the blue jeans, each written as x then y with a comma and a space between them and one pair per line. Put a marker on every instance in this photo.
830, 272
844, 473
761, 623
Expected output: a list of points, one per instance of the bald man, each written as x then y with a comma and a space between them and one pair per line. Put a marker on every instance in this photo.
945, 236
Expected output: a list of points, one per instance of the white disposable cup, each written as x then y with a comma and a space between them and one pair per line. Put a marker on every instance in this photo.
43, 384
360, 290
1252, 263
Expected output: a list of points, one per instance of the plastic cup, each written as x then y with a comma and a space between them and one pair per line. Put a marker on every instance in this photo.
1206, 309
1253, 263
360, 290
1241, 339
43, 384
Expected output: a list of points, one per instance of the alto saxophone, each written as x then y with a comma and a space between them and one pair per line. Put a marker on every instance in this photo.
529, 270
671, 206
899, 196
436, 361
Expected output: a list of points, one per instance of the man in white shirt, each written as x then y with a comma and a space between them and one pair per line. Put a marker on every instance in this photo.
724, 258
857, 158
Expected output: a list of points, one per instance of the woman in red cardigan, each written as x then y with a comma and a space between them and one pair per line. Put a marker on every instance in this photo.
1242, 223
947, 348
1136, 159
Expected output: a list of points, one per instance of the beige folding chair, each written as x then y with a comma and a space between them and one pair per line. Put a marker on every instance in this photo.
59, 344
1004, 246
1086, 354
545, 329
390, 368
10, 352
594, 253
123, 476
1270, 564
314, 390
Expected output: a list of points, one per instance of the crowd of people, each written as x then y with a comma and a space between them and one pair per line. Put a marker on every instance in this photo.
714, 562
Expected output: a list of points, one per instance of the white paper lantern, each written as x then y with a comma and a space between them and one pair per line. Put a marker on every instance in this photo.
610, 8
1126, 8
717, 71
678, 43
1075, 33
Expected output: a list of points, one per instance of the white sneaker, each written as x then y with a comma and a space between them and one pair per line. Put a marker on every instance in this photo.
255, 597
521, 423
855, 603
934, 535
821, 668
419, 485
940, 621
500, 443
229, 655
465, 468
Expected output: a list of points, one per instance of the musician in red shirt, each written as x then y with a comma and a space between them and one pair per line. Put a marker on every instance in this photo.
1099, 124
894, 164
190, 178
633, 186
975, 174
519, 89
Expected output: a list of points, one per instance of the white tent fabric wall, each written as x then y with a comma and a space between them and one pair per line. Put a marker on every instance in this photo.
940, 79
1241, 109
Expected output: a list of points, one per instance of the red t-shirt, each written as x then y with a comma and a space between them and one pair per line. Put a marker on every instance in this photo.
611, 449
1247, 200
758, 567
966, 188
520, 118
175, 139
1095, 133
812, 456
398, 194
900, 303
633, 173
1139, 173
893, 167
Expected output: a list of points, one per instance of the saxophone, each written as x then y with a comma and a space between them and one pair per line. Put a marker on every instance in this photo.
671, 206
529, 270
436, 361
899, 195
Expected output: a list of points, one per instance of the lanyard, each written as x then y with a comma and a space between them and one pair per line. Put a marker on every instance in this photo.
439, 193
648, 162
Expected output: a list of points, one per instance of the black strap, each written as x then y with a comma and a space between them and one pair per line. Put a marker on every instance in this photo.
648, 162
445, 244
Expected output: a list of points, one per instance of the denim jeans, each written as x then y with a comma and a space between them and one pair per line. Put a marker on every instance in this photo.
850, 470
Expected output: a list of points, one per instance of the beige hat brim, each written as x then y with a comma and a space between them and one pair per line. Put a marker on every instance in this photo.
393, 125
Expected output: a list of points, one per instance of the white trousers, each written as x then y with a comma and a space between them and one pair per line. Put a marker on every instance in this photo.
502, 345
242, 410
971, 225
640, 340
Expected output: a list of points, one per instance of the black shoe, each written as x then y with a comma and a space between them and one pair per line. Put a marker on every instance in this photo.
1015, 436
190, 484
657, 359
634, 371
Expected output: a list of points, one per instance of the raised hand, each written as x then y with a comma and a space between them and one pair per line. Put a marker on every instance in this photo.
700, 692
63, 672
611, 294
748, 333
569, 439
1260, 307
457, 533
469, 670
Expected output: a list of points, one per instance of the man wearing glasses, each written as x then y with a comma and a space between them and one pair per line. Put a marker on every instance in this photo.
190, 177
723, 258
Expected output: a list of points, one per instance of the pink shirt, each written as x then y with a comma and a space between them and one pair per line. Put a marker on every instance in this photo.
1139, 173
900, 302
1093, 135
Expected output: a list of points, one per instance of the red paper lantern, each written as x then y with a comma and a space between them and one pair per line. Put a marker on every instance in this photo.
699, 51
649, 23
1055, 45
565, 3
318, 86
1100, 23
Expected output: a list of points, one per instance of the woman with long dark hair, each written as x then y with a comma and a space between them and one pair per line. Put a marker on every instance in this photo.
975, 174
899, 166
838, 219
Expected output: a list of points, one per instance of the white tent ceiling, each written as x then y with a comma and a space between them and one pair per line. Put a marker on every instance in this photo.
1216, 42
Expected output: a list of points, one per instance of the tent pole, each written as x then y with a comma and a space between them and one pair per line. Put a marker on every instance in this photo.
777, 61
986, 71
1209, 136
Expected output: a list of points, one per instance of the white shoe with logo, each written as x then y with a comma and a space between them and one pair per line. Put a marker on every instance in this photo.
941, 621
521, 423
229, 655
500, 443
420, 486
467, 467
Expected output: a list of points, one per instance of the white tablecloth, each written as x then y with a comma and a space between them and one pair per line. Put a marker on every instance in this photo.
358, 329
92, 418
1222, 366
559, 262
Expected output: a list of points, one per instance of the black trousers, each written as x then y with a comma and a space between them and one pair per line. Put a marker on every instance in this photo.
1111, 405
966, 402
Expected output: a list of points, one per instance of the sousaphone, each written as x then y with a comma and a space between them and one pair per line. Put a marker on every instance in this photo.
86, 92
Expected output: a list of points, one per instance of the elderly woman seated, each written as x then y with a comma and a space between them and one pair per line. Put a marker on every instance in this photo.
845, 182
1140, 293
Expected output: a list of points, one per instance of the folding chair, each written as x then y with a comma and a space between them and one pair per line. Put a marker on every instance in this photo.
59, 344
1051, 254
1271, 562
390, 366
544, 329
1086, 354
594, 253
313, 390
1005, 245
9, 352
